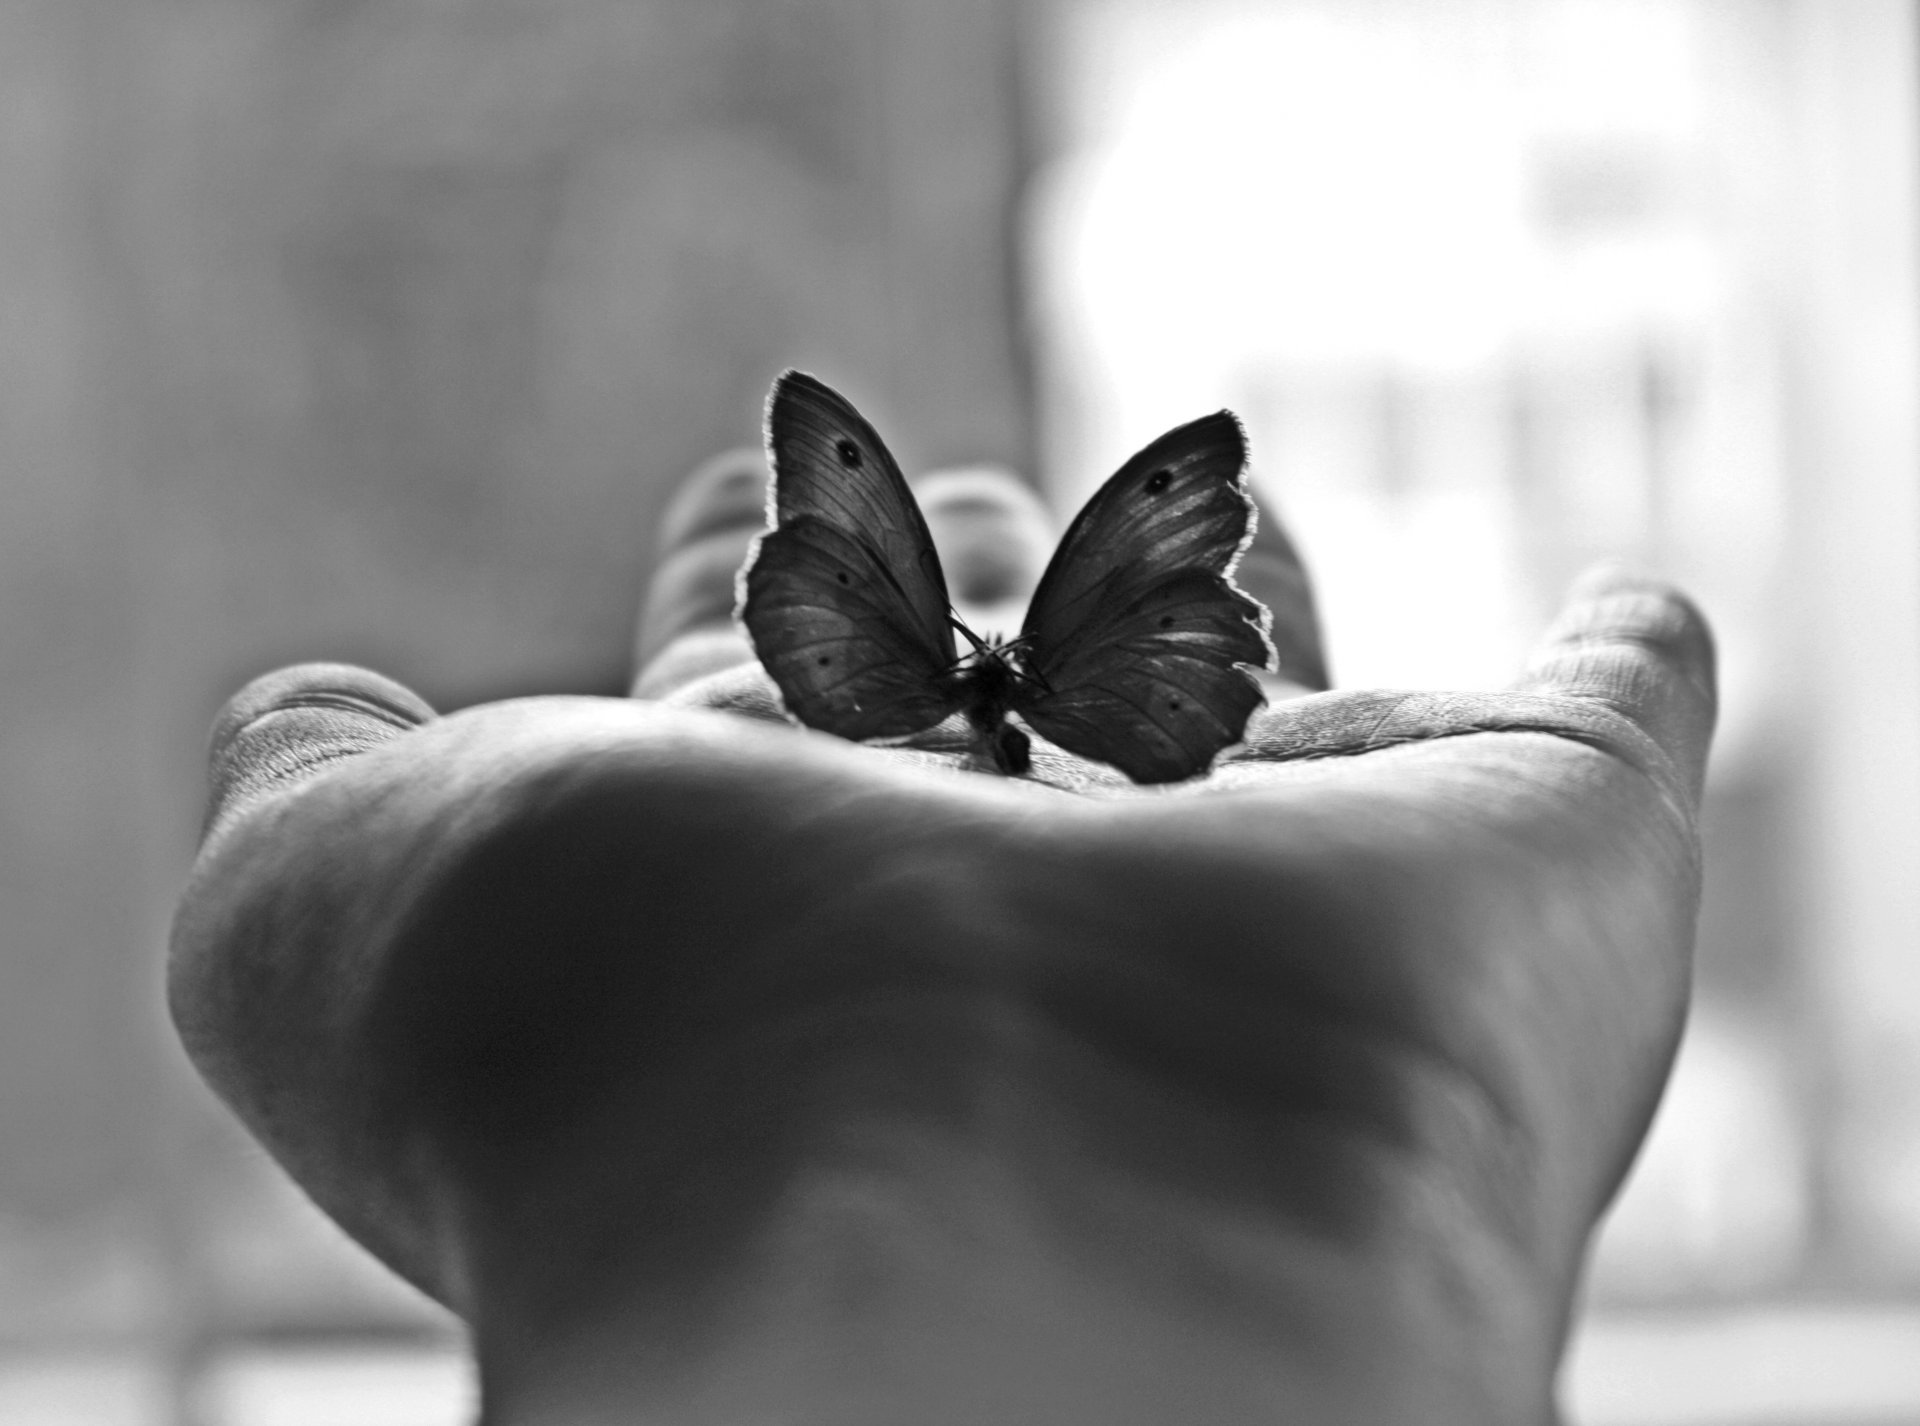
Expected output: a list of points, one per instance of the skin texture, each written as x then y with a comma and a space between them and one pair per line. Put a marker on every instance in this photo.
721, 1071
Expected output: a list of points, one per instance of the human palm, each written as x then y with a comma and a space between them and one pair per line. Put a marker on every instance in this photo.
727, 1070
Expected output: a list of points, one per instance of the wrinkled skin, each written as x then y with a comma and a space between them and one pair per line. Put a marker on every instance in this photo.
721, 1071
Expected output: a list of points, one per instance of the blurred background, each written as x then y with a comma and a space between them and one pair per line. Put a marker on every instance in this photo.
379, 331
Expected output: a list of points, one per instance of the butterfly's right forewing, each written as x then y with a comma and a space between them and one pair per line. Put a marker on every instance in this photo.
1140, 646
844, 599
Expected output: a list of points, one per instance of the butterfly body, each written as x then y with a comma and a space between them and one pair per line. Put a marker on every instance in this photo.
1137, 648
988, 683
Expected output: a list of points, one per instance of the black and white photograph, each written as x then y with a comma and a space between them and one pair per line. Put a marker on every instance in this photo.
915, 713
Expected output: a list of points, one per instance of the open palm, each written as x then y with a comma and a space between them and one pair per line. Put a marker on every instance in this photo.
726, 1070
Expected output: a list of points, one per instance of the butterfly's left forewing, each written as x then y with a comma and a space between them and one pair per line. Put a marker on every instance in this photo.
843, 599
829, 463
1138, 642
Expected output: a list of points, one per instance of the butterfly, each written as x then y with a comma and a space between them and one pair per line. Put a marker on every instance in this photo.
1138, 650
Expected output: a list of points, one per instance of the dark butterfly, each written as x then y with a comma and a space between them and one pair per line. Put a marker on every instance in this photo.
1138, 650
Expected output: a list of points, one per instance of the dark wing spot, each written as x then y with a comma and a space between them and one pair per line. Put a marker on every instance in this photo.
1166, 621
1173, 705
848, 452
825, 660
842, 576
1159, 481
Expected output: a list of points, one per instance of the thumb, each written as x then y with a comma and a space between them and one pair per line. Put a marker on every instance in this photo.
1640, 648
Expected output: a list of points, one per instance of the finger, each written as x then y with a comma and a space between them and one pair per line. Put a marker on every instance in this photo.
1640, 648
291, 725
1272, 571
994, 537
686, 627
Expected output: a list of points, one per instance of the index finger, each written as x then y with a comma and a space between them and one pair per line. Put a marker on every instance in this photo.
1639, 647
1272, 571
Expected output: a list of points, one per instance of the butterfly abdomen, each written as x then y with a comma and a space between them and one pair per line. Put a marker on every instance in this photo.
986, 682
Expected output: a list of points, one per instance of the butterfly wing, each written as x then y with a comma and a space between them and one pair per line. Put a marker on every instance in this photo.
1138, 641
843, 599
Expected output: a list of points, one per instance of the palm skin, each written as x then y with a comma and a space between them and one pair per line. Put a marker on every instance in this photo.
716, 1070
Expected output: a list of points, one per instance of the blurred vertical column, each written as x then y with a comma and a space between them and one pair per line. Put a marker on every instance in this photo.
380, 332
1502, 286
1854, 354
79, 924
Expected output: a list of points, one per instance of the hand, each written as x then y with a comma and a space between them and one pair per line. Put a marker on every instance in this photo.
722, 1070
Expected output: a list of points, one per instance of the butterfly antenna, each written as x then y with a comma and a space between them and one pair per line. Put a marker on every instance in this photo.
979, 644
1019, 666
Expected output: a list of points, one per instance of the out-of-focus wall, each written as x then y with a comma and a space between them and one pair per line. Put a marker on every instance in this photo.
1505, 286
378, 332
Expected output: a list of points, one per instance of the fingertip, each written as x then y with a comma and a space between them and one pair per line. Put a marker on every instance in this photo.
705, 532
994, 536
1640, 646
343, 687
723, 494
1613, 603
290, 724
1273, 572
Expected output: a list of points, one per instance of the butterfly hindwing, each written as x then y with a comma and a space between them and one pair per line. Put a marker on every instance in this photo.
1157, 690
829, 621
1137, 641
844, 600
